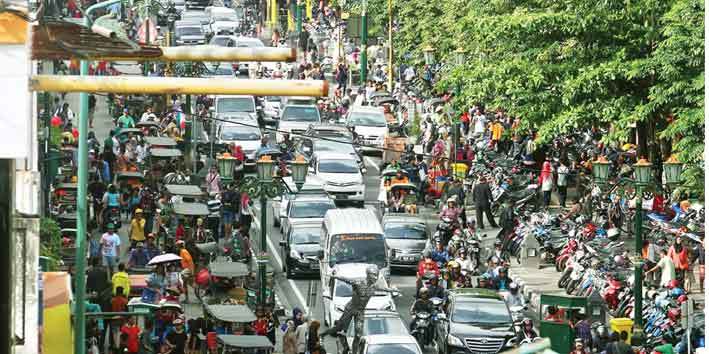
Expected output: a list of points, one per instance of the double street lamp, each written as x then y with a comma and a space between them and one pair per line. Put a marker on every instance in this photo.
672, 170
264, 186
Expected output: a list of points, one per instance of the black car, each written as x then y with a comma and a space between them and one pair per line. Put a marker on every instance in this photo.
300, 249
476, 321
406, 236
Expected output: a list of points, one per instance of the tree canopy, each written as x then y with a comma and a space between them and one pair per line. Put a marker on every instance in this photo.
636, 67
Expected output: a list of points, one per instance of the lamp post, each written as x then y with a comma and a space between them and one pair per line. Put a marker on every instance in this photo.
428, 54
225, 165
265, 186
643, 176
363, 50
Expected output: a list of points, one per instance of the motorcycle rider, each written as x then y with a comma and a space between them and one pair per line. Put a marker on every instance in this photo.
426, 265
435, 290
440, 254
451, 210
503, 281
500, 253
422, 304
483, 282
466, 264
527, 331
514, 297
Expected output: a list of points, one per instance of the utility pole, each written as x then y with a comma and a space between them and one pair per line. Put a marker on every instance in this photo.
298, 19
391, 49
363, 50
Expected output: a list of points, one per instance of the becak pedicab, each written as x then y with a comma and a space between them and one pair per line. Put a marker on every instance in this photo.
402, 198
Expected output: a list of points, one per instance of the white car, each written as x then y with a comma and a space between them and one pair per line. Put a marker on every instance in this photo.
306, 208
389, 344
249, 138
235, 106
338, 293
342, 176
217, 70
376, 323
222, 20
272, 108
297, 119
312, 186
370, 125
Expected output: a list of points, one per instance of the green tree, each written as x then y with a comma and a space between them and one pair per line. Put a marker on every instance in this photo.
50, 239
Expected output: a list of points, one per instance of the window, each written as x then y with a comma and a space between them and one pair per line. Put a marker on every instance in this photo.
301, 236
301, 114
405, 231
338, 166
489, 312
358, 249
367, 119
236, 104
342, 289
189, 31
310, 209
231, 134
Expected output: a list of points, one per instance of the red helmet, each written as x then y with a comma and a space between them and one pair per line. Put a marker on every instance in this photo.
590, 228
674, 283
674, 314
681, 299
616, 284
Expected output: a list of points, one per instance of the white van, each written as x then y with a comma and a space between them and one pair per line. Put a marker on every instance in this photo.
351, 236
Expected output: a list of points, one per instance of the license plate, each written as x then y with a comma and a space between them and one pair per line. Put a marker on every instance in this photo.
340, 196
314, 266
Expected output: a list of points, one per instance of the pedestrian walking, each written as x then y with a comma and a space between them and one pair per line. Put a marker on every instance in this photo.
482, 195
301, 336
546, 182
120, 279
562, 173
314, 345
111, 247
137, 228
290, 345
92, 109
680, 258
667, 267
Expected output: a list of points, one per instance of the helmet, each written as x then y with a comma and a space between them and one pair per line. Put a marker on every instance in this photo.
372, 273
674, 283
423, 291
681, 299
503, 270
619, 260
677, 292
454, 264
498, 243
514, 288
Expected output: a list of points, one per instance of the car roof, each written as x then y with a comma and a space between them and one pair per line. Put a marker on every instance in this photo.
311, 198
233, 96
227, 125
474, 293
400, 218
390, 339
351, 270
381, 313
334, 156
304, 224
300, 105
367, 109
352, 221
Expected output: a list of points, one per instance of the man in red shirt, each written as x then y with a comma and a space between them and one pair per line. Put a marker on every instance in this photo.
119, 303
426, 265
132, 334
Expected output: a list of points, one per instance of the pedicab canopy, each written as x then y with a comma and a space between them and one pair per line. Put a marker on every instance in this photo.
190, 209
228, 269
160, 141
162, 152
231, 313
245, 341
207, 247
186, 190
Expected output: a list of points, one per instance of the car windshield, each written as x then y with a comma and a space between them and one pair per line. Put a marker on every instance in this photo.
338, 166
311, 209
223, 70
391, 348
235, 104
405, 231
367, 119
380, 325
367, 248
248, 44
301, 114
305, 236
273, 99
222, 41
333, 146
189, 31
342, 289
489, 312
225, 17
240, 134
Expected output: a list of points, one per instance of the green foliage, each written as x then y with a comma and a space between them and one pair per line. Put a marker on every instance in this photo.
562, 65
50, 239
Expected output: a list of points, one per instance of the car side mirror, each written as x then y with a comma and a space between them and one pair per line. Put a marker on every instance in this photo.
321, 254
282, 243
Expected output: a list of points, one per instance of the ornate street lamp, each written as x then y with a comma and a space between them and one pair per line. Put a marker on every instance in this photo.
225, 165
264, 169
428, 56
299, 170
672, 169
601, 167
643, 172
460, 56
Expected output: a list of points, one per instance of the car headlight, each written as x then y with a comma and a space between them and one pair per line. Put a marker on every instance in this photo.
454, 341
294, 254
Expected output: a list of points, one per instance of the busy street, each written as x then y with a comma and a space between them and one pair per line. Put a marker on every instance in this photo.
312, 177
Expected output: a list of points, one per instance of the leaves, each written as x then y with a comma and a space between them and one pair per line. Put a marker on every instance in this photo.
562, 65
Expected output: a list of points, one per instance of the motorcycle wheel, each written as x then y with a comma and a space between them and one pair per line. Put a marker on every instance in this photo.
560, 265
564, 279
570, 287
